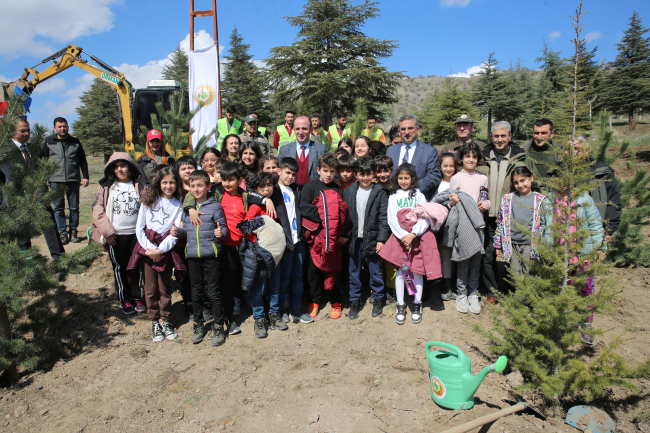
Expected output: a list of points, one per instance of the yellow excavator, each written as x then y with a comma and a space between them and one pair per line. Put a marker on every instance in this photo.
136, 106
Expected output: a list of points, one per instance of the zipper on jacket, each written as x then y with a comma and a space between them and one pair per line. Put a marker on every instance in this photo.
198, 246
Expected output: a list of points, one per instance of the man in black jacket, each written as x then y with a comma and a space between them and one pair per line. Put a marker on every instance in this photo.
68, 153
367, 232
20, 139
288, 274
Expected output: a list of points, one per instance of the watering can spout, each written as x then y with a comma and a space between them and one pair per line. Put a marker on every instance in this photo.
473, 382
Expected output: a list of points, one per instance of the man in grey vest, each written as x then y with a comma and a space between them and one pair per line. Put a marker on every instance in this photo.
464, 131
69, 155
502, 157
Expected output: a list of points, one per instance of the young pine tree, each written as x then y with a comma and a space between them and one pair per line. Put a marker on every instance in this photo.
540, 325
28, 280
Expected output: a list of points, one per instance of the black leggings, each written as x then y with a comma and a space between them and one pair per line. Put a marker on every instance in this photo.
120, 253
205, 275
316, 278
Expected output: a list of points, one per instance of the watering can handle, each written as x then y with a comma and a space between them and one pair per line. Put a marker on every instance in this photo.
456, 350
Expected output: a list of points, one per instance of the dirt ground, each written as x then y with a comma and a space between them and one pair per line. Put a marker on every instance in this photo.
329, 376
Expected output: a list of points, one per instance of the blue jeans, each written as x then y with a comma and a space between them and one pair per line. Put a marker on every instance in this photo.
289, 274
73, 202
374, 269
261, 288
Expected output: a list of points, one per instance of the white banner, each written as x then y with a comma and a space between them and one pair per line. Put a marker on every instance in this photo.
204, 86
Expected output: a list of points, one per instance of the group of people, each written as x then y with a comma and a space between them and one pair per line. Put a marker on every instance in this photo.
246, 223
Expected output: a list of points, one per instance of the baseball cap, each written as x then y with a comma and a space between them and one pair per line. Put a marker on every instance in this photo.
154, 133
464, 118
250, 118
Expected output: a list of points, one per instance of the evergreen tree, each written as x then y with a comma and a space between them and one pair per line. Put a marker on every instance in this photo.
550, 85
179, 70
98, 125
486, 92
28, 280
333, 63
438, 116
38, 135
244, 85
515, 94
539, 326
623, 87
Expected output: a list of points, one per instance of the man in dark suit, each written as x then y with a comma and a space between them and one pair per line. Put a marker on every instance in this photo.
304, 150
423, 156
20, 140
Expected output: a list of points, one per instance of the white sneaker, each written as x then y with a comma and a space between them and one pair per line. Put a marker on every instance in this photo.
168, 331
236, 311
474, 305
157, 332
461, 304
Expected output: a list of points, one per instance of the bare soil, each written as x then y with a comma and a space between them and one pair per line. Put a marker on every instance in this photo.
330, 376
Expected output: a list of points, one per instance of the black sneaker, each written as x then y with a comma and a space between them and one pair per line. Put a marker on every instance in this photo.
207, 313
450, 293
389, 298
416, 315
354, 311
277, 322
260, 328
198, 333
233, 328
378, 308
168, 330
218, 335
74, 238
64, 238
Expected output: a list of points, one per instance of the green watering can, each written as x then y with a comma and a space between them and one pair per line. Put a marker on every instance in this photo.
452, 383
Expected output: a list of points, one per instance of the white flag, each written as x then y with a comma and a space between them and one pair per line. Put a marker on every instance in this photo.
204, 86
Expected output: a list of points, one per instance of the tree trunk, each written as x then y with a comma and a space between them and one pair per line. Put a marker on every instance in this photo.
10, 374
630, 117
489, 126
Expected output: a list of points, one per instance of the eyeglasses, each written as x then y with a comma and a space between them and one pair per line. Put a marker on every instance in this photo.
410, 128
22, 130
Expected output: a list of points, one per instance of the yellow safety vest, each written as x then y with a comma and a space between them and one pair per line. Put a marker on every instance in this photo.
375, 137
336, 138
285, 138
261, 130
222, 127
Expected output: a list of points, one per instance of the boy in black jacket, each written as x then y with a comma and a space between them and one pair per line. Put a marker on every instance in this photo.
367, 232
327, 168
289, 272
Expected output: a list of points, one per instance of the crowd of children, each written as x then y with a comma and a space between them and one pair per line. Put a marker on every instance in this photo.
242, 231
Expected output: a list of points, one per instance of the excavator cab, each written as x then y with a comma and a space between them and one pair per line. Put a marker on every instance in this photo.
144, 103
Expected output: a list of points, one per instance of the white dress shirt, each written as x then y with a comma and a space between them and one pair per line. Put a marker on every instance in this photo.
19, 145
299, 150
411, 152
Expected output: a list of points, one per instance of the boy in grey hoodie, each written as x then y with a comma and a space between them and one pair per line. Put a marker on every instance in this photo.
202, 252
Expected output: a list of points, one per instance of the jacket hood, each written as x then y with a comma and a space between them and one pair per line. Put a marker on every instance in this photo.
120, 156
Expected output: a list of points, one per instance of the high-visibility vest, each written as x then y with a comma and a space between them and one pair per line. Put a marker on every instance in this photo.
261, 130
336, 138
375, 137
285, 138
222, 127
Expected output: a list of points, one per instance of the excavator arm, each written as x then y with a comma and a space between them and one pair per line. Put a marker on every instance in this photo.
71, 56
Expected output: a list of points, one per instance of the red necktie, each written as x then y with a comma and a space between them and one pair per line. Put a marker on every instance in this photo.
302, 154
25, 153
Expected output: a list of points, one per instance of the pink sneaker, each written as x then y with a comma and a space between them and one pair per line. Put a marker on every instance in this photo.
140, 307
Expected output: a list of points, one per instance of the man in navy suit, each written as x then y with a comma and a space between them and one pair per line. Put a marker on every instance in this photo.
305, 151
423, 156
19, 140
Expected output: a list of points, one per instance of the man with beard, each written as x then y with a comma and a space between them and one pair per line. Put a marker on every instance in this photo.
540, 157
251, 133
502, 157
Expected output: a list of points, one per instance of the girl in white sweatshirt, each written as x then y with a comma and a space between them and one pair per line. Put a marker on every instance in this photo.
160, 208
405, 194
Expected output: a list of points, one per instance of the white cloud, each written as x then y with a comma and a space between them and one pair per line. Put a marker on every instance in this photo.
32, 21
592, 36
67, 107
554, 35
472, 70
51, 85
7, 80
453, 3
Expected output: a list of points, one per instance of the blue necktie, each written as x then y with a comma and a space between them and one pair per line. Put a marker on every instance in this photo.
406, 154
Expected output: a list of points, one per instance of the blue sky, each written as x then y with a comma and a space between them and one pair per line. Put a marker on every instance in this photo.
436, 37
